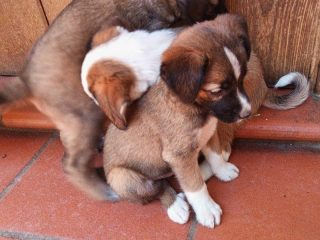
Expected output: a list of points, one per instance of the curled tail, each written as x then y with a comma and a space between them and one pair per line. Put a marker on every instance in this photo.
296, 97
12, 89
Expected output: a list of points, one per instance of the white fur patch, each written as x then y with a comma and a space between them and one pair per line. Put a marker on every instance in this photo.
179, 211
139, 50
208, 212
287, 79
245, 105
223, 170
234, 62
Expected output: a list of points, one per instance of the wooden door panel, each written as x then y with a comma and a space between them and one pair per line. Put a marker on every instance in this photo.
21, 23
284, 34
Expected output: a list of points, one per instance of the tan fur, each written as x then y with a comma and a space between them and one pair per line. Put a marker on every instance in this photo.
51, 74
152, 146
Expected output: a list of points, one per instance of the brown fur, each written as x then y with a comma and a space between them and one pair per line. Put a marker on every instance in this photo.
51, 75
110, 82
169, 126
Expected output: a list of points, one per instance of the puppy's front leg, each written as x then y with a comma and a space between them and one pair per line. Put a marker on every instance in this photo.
222, 169
188, 173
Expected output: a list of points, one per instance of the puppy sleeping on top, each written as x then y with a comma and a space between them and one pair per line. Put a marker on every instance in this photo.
121, 66
202, 80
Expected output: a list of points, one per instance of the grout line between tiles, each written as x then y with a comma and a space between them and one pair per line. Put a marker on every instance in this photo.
281, 145
26, 236
26, 168
192, 229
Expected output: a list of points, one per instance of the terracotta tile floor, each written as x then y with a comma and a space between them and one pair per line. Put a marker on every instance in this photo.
277, 196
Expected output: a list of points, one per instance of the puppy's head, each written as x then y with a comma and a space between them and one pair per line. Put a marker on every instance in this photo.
111, 84
206, 66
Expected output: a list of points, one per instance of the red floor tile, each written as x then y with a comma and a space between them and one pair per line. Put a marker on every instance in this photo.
16, 150
301, 124
26, 117
44, 203
277, 196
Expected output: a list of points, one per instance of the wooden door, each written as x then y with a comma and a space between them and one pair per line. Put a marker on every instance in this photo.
22, 22
284, 33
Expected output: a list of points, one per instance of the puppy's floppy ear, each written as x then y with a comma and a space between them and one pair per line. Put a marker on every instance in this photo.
243, 35
111, 83
183, 70
113, 104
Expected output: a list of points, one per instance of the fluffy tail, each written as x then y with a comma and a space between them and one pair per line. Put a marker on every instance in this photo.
12, 90
295, 98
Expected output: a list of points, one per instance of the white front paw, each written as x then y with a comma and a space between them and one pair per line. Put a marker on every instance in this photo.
209, 214
226, 171
179, 211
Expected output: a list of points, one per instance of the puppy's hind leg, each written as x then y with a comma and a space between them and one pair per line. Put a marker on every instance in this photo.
226, 135
79, 134
133, 186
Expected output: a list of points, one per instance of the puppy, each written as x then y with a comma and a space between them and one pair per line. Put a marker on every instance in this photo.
51, 75
175, 119
122, 68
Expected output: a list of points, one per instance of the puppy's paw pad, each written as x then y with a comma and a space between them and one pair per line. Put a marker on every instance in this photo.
179, 211
210, 214
226, 172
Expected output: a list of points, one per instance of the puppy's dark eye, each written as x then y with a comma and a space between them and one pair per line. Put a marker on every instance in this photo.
225, 86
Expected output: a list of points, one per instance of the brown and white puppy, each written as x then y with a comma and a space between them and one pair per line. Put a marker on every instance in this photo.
123, 67
173, 122
51, 75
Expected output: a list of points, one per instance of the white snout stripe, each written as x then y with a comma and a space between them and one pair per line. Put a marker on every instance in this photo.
234, 62
245, 105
